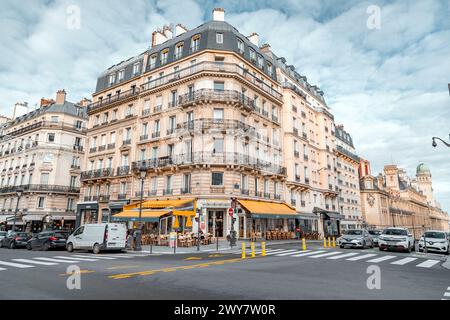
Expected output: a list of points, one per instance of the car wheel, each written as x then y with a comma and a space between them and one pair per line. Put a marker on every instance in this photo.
96, 248
69, 247
29, 246
341, 246
12, 245
380, 248
46, 246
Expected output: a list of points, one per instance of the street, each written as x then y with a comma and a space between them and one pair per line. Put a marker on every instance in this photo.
285, 272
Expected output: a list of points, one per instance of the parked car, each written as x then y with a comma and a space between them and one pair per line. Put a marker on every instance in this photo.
438, 241
98, 237
48, 240
357, 238
15, 240
397, 239
2, 235
375, 235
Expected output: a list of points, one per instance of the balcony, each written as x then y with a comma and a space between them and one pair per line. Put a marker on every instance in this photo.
143, 137
146, 112
152, 192
304, 135
293, 202
170, 131
245, 192
75, 167
123, 171
121, 196
110, 100
303, 203
330, 187
211, 158
274, 118
211, 67
172, 104
296, 154
210, 95
77, 148
307, 180
295, 131
185, 191
305, 157
111, 146
157, 108
348, 154
126, 142
138, 194
156, 135
167, 192
297, 178
277, 196
101, 148
92, 149
200, 125
39, 125
40, 188
104, 198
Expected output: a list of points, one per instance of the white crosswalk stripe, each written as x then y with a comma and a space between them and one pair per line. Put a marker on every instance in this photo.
365, 256
287, 253
279, 252
56, 260
325, 254
404, 261
428, 264
99, 257
381, 259
2, 269
447, 294
345, 255
69, 258
307, 253
15, 265
42, 263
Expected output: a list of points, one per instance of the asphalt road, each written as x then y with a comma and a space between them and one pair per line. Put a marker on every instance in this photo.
280, 275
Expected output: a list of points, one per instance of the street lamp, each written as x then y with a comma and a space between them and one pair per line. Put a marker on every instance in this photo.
434, 143
142, 174
19, 192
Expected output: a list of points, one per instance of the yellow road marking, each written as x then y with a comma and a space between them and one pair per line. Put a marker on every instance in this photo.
121, 267
81, 272
150, 272
193, 258
215, 255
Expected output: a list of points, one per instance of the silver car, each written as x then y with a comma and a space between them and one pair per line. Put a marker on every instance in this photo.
357, 238
437, 241
375, 234
2, 235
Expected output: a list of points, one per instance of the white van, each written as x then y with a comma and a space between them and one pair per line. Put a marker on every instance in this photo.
98, 237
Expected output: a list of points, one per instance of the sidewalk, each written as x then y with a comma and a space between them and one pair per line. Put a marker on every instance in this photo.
223, 246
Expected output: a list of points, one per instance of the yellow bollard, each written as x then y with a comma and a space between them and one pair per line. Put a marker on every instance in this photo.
253, 249
303, 244
324, 242
334, 242
329, 242
263, 249
243, 250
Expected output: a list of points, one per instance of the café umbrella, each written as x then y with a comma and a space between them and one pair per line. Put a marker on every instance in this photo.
189, 222
176, 223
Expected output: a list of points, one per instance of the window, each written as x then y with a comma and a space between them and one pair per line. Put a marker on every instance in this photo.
123, 187
142, 154
73, 181
121, 75
135, 68
240, 45
112, 79
260, 62
219, 86
145, 129
219, 37
112, 138
159, 102
269, 69
178, 51
54, 119
78, 124
41, 202
51, 137
172, 123
218, 145
187, 182
105, 117
155, 153
217, 178
252, 55
125, 160
169, 183
164, 55
152, 61
70, 204
114, 115
218, 114
195, 43
153, 183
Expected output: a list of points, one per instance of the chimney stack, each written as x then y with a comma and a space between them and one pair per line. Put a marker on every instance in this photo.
167, 31
254, 38
46, 102
60, 96
158, 37
180, 29
218, 14
84, 102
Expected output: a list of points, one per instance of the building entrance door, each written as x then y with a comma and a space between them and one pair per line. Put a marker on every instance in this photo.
216, 222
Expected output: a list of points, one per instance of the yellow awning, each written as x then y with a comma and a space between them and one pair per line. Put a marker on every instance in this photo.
135, 214
266, 209
159, 204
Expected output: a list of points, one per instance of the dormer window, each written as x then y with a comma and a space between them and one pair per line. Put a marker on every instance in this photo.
269, 69
195, 43
121, 74
152, 61
260, 62
112, 79
240, 45
219, 37
252, 55
164, 55
135, 68
178, 51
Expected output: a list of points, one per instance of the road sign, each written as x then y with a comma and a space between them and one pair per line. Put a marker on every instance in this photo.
230, 212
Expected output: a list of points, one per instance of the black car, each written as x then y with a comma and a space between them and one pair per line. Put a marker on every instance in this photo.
48, 240
15, 240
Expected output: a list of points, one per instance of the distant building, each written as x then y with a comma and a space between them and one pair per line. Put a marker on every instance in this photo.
394, 199
40, 154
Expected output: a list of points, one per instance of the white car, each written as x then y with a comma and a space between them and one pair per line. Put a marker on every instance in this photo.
98, 237
396, 239
438, 241
2, 235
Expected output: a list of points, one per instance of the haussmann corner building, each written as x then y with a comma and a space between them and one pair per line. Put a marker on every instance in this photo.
204, 116
40, 157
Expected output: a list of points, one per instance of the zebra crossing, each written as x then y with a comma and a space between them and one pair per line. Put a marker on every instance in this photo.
32, 262
423, 263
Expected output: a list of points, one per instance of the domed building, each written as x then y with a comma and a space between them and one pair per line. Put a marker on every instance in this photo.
423, 182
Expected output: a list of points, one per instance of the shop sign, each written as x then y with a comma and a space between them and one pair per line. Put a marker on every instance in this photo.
207, 203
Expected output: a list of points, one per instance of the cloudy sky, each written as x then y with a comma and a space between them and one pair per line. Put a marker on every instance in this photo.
388, 85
